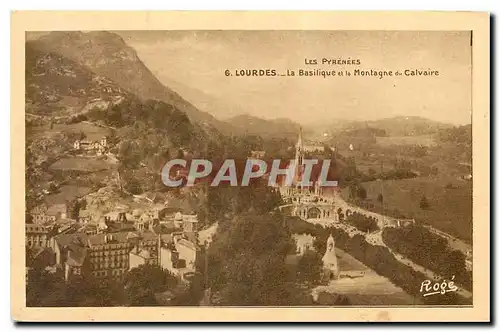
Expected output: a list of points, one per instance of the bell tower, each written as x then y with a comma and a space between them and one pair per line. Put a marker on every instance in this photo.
299, 150
299, 162
330, 264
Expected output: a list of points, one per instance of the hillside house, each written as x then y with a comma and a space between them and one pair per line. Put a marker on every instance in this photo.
89, 146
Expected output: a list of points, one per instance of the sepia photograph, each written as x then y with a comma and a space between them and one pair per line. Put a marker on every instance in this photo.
250, 168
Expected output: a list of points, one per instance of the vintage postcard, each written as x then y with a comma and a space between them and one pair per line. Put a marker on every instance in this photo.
250, 166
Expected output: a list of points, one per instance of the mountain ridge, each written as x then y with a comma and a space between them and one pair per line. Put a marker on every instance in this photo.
107, 54
253, 125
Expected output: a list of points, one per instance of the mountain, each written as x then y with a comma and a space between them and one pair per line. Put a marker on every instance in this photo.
394, 126
59, 87
408, 126
106, 54
147, 132
275, 128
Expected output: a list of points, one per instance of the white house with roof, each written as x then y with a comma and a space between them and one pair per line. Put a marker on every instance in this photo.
91, 146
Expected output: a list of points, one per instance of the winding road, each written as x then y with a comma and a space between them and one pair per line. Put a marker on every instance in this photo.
376, 239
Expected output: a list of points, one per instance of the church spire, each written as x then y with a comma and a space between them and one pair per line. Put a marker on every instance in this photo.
299, 150
299, 158
299, 144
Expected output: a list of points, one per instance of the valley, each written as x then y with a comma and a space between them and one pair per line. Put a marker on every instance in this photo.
100, 126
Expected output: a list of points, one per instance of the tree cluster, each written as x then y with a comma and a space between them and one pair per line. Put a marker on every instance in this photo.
362, 222
429, 250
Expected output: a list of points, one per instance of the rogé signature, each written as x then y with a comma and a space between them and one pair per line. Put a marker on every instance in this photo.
438, 287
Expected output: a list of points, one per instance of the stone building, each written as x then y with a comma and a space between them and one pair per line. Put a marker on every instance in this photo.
330, 264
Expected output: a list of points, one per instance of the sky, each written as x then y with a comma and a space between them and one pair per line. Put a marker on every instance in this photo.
198, 59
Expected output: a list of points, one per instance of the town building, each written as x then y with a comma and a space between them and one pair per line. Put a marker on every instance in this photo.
90, 229
43, 214
139, 257
38, 214
103, 255
110, 252
257, 154
190, 223
38, 235
84, 216
76, 265
178, 255
119, 242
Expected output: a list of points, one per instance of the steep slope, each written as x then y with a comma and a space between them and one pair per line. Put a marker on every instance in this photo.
59, 87
147, 132
106, 54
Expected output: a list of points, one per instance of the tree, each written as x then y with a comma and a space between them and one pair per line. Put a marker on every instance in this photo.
309, 267
247, 260
129, 155
52, 187
73, 208
380, 198
424, 204
141, 283
361, 192
353, 190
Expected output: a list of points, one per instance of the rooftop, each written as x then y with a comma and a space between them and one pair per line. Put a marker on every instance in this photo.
35, 228
76, 255
144, 254
65, 240
100, 239
188, 244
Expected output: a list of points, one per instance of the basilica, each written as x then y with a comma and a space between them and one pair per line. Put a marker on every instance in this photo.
297, 187
313, 202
